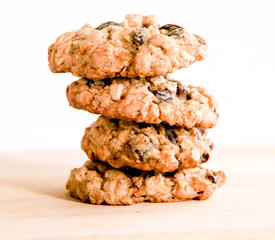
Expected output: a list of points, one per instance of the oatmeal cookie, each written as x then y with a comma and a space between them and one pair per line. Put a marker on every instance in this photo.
139, 46
98, 183
152, 100
146, 146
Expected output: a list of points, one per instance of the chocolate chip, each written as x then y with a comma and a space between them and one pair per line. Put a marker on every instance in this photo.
188, 97
172, 30
106, 24
171, 135
200, 39
163, 96
138, 37
201, 192
205, 157
212, 177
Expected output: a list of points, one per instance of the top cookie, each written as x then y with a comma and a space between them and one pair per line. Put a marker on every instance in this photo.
139, 46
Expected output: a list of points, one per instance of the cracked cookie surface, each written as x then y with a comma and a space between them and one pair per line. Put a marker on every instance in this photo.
152, 100
98, 183
144, 146
139, 46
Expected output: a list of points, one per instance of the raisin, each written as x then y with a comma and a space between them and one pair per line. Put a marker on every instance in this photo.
140, 154
172, 30
106, 24
181, 90
140, 146
187, 129
163, 96
171, 135
138, 37
212, 177
202, 131
205, 157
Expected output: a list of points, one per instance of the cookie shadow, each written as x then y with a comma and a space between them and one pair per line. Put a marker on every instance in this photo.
38, 181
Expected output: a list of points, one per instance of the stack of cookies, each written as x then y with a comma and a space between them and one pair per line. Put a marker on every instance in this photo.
150, 140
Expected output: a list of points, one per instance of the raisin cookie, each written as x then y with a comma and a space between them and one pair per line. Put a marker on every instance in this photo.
152, 100
139, 46
147, 147
98, 183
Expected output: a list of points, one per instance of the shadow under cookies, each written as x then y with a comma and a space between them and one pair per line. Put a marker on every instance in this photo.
39, 178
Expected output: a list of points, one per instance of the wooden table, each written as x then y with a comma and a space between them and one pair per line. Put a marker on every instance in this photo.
35, 205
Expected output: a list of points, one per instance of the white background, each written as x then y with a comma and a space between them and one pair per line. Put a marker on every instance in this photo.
240, 69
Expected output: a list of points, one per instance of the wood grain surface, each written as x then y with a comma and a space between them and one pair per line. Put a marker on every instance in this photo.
35, 205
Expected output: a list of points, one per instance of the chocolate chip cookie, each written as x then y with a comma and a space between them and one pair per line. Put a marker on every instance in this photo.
152, 100
99, 183
139, 46
146, 146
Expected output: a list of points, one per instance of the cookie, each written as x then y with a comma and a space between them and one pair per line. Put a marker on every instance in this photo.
145, 146
152, 100
139, 46
98, 183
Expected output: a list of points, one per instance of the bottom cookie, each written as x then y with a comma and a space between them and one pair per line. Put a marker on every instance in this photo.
98, 183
